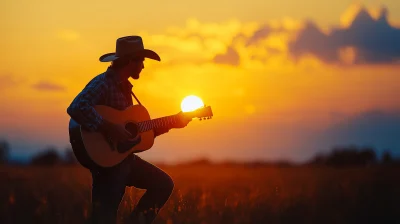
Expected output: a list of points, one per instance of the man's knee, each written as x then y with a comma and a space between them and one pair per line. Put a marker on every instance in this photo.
164, 186
169, 184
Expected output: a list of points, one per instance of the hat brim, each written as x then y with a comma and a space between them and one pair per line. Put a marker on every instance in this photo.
146, 53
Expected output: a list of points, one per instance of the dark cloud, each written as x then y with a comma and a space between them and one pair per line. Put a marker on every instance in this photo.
376, 129
259, 34
230, 57
374, 40
48, 86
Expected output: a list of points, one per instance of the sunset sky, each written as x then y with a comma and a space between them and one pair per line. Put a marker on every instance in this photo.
285, 79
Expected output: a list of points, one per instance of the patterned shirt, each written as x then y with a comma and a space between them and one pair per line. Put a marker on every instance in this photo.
104, 89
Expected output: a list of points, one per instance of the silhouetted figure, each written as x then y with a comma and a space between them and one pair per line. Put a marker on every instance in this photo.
112, 88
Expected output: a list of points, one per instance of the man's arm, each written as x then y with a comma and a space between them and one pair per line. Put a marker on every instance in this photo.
81, 108
160, 130
181, 123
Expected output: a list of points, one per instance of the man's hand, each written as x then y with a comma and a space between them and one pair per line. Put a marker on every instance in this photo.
116, 132
183, 121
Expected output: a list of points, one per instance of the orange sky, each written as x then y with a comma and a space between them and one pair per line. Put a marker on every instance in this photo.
267, 105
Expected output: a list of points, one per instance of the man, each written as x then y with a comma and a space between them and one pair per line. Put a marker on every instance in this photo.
112, 88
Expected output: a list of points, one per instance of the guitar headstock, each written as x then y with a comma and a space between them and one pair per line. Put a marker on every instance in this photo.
201, 113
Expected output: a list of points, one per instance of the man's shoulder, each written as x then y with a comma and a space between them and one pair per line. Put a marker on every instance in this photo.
99, 79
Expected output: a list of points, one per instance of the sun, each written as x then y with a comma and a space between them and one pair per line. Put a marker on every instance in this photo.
191, 103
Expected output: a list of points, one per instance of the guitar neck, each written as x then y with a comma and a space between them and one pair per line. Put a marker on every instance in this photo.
158, 122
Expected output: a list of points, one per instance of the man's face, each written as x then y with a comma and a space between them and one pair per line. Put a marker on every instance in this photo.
136, 67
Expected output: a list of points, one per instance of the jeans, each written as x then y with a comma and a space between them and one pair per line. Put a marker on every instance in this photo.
108, 188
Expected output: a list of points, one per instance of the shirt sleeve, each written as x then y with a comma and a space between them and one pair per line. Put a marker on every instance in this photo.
81, 108
160, 130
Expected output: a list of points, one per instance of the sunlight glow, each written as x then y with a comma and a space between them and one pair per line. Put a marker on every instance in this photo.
191, 103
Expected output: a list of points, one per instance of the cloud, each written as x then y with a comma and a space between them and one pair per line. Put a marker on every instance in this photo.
48, 86
365, 41
199, 42
259, 34
360, 39
230, 57
263, 45
377, 129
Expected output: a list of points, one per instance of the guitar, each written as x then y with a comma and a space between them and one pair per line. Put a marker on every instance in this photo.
94, 149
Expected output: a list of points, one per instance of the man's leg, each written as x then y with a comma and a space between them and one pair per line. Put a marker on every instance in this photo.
107, 191
158, 185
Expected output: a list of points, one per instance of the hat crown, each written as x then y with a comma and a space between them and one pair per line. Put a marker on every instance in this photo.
128, 45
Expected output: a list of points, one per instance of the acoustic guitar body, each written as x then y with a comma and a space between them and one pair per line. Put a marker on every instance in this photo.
102, 151
95, 150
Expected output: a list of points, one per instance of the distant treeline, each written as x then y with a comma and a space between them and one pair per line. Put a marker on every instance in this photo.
344, 156
52, 156
47, 156
352, 156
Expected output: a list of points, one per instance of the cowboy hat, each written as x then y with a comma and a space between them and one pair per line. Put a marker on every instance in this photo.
129, 46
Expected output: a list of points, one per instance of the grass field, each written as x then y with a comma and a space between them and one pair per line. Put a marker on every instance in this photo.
214, 194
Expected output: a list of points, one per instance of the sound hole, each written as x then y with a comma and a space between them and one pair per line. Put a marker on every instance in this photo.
132, 128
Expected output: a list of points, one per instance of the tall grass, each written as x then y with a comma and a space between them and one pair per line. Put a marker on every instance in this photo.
214, 194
